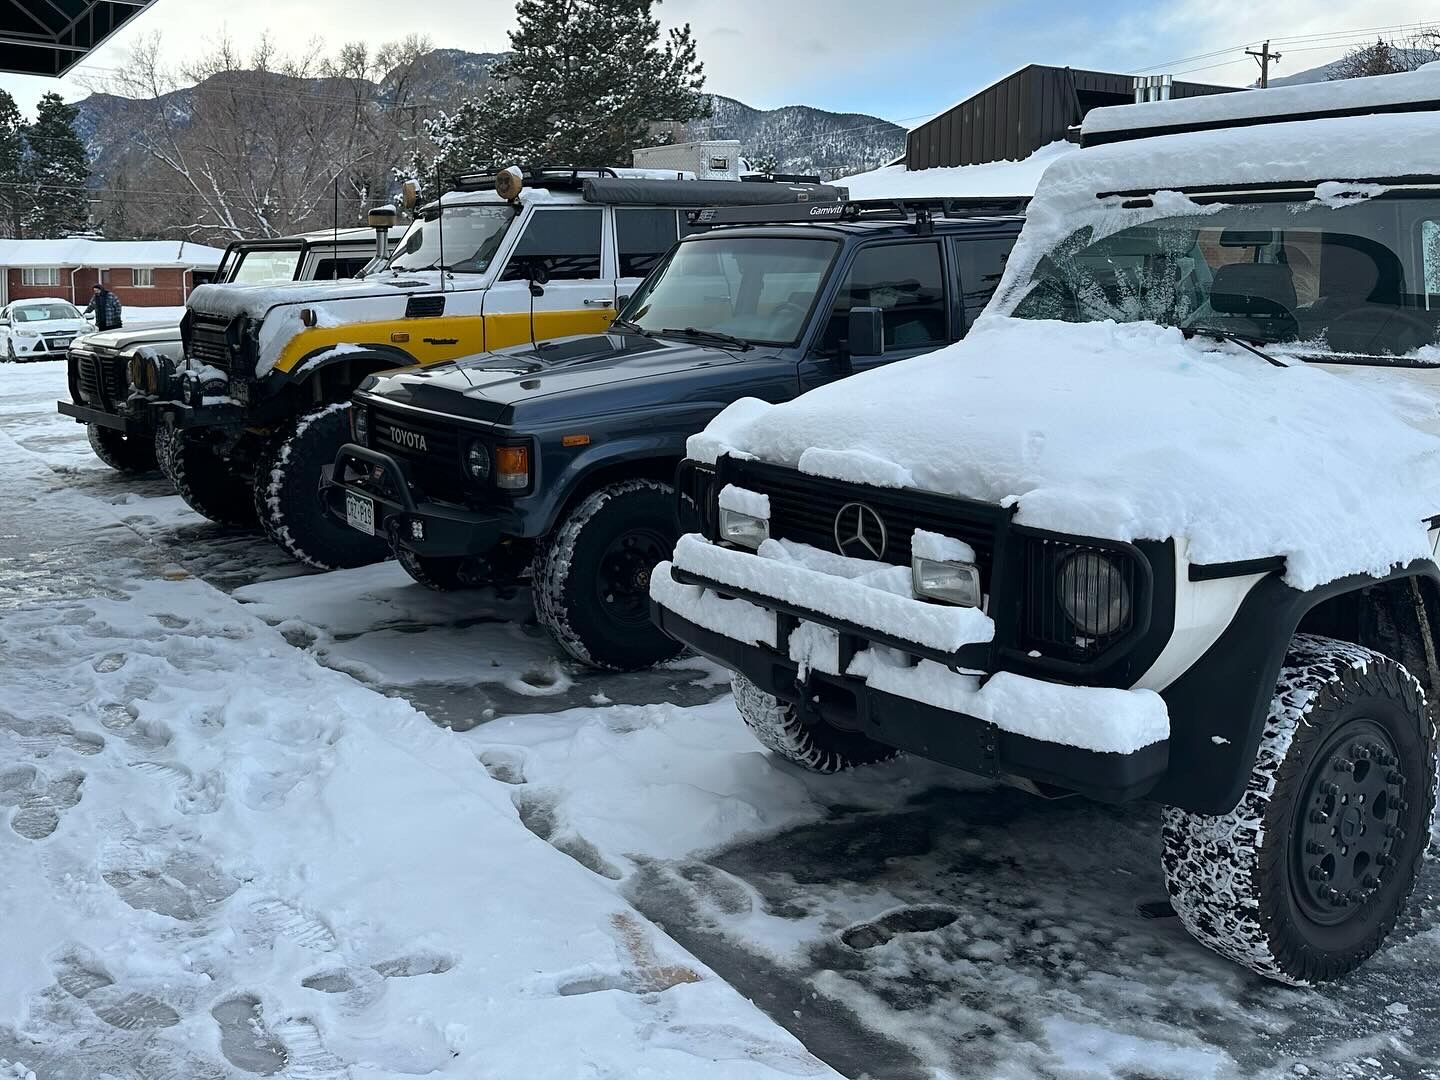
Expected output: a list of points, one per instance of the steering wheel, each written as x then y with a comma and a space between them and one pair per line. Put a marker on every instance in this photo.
1379, 330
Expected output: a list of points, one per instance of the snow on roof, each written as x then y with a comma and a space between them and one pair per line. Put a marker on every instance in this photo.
1377, 91
102, 254
993, 180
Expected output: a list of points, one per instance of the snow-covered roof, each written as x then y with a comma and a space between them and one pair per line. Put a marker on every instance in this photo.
102, 254
1376, 92
993, 180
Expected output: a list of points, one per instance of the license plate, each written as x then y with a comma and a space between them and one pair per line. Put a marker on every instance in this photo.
240, 391
360, 513
63, 342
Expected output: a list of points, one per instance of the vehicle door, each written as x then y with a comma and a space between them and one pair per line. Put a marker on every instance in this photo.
6, 314
564, 248
642, 237
907, 281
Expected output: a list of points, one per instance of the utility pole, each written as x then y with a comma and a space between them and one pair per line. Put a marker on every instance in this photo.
1263, 58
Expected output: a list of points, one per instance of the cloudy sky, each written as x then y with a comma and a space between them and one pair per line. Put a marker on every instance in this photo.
900, 59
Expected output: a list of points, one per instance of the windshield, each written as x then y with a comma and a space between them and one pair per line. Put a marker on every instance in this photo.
1352, 276
471, 235
757, 289
45, 312
265, 267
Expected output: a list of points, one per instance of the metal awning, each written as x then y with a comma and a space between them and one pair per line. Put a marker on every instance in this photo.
49, 37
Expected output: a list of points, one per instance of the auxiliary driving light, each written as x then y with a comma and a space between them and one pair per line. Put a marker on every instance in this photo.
1094, 593
743, 530
955, 583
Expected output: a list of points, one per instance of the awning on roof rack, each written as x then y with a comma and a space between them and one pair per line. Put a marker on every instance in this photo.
49, 37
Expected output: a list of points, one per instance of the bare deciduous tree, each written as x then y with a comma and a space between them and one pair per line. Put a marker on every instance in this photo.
261, 145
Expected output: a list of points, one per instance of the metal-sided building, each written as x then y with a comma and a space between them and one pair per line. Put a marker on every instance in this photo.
1019, 114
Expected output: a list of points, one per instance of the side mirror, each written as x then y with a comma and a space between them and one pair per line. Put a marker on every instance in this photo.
536, 273
867, 332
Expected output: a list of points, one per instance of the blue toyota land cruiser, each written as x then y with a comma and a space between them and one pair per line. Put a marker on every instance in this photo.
557, 458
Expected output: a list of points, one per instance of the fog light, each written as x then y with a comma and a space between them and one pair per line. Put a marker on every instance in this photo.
743, 530
417, 529
1094, 593
949, 582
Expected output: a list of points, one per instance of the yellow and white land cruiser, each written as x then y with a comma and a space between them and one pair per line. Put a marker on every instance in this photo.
260, 401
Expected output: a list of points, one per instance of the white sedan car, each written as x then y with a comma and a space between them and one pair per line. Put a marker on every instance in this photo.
40, 329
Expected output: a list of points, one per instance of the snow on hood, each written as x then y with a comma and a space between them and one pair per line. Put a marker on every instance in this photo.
1125, 432
256, 300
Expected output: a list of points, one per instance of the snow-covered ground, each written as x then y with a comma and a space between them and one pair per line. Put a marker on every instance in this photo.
255, 821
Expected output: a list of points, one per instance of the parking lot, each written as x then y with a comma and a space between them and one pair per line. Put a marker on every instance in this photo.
899, 922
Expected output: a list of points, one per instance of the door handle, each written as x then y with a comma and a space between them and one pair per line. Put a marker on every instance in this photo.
599, 303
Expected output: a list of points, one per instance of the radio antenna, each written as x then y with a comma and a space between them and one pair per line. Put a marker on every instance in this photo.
335, 235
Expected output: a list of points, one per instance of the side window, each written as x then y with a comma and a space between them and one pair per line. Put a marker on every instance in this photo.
565, 242
642, 237
981, 264
907, 283
329, 269
1430, 253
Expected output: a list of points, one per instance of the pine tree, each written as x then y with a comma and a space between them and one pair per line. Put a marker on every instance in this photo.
57, 172
583, 84
12, 166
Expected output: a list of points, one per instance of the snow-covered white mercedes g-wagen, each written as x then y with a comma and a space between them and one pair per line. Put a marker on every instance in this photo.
1163, 526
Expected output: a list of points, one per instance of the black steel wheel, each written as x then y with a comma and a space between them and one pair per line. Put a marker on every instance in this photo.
622, 582
1345, 843
1306, 877
592, 576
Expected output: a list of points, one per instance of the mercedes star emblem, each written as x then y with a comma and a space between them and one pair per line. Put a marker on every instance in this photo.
860, 532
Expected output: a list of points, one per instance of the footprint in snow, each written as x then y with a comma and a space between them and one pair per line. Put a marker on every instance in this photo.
38, 812
41, 737
280, 918
254, 1045
126, 1010
109, 663
361, 987
912, 920
537, 812
124, 721
720, 889
183, 885
504, 765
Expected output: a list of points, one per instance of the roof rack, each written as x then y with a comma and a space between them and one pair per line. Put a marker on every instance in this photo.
922, 212
1407, 92
556, 177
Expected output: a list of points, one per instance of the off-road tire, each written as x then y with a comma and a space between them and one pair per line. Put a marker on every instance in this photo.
570, 598
442, 573
817, 747
1236, 881
165, 441
123, 453
208, 483
287, 494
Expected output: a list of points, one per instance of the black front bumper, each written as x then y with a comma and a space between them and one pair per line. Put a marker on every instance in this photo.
951, 738
425, 527
84, 414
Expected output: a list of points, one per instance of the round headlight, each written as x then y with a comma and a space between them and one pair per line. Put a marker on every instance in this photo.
477, 461
1093, 593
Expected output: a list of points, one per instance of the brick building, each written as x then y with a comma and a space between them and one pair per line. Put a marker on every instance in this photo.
142, 273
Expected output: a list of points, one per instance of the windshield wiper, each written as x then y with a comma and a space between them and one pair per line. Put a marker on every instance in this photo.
633, 327
1246, 343
710, 335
